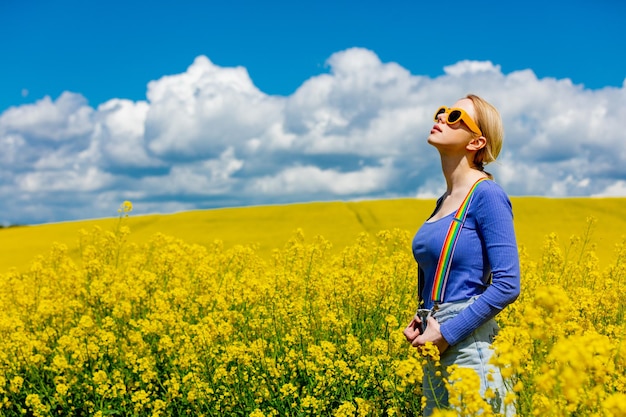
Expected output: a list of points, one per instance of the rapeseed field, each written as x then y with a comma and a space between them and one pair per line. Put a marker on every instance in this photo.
128, 320
268, 227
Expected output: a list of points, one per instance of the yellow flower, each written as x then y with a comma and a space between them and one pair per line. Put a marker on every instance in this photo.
62, 389
463, 386
126, 207
34, 403
16, 384
615, 405
347, 409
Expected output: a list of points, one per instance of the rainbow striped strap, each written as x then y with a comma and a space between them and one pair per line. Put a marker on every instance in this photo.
447, 250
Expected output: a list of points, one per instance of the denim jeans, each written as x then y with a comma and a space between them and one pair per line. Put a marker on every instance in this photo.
472, 352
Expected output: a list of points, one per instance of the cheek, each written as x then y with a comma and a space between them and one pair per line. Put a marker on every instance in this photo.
457, 135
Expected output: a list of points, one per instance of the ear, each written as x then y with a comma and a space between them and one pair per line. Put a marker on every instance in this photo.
476, 144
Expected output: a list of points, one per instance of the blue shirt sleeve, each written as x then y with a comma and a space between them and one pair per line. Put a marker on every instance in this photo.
494, 219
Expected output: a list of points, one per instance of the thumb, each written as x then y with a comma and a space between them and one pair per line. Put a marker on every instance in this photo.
432, 323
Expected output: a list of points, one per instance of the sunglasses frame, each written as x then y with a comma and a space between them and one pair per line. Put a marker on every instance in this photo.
469, 122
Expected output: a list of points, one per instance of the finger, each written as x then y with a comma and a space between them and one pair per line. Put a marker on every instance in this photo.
410, 334
416, 342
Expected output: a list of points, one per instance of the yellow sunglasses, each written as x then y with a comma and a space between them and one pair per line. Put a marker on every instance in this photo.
456, 115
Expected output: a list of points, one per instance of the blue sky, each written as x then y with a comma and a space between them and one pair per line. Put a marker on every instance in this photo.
112, 49
92, 92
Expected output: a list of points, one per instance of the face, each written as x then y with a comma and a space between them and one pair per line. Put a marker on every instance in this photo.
456, 135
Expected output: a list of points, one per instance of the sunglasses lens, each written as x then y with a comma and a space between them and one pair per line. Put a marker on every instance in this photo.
440, 111
454, 116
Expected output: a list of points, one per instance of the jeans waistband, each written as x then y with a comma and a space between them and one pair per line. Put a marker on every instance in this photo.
445, 311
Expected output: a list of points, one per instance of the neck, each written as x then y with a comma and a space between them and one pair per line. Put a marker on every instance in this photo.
459, 174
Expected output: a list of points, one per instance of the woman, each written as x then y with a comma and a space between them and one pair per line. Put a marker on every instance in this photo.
476, 275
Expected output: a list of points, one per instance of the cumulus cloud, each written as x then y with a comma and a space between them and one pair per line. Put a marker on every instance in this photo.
616, 189
362, 107
46, 132
310, 180
200, 113
63, 120
119, 135
208, 137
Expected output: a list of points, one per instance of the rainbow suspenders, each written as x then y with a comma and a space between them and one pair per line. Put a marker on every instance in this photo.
447, 250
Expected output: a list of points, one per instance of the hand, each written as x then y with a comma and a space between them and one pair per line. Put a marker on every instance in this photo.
412, 330
432, 334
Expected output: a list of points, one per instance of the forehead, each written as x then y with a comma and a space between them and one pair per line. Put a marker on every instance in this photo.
465, 104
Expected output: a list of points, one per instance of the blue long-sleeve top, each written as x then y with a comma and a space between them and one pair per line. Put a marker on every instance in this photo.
485, 261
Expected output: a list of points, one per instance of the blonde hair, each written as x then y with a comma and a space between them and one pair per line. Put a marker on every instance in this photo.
490, 123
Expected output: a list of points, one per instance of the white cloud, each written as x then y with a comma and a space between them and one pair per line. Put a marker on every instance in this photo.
466, 67
208, 177
90, 179
303, 180
12, 145
120, 133
355, 108
616, 189
62, 120
205, 110
209, 137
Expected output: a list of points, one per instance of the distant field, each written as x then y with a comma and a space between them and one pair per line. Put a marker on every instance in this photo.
270, 227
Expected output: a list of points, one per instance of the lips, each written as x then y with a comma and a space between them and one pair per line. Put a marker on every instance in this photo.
435, 128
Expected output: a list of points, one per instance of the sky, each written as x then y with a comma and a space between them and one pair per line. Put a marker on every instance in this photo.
188, 104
